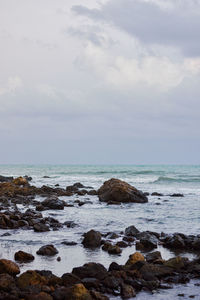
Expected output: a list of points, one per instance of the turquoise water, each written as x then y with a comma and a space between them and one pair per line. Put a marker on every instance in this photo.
167, 214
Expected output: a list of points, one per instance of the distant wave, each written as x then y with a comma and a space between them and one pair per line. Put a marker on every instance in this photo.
176, 180
112, 172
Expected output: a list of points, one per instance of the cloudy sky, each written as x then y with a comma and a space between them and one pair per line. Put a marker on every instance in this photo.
100, 81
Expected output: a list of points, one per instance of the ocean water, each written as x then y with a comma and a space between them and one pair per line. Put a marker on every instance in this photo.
161, 214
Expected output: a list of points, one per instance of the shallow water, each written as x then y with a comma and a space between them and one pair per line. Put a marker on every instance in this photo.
167, 214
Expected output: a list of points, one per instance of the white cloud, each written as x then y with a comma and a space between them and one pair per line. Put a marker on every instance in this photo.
12, 85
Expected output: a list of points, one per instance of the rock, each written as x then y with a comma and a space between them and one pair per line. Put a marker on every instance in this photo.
39, 227
157, 194
90, 270
48, 250
20, 181
175, 242
5, 178
147, 240
114, 249
176, 263
97, 296
122, 244
176, 195
127, 291
30, 278
78, 292
120, 191
7, 282
153, 256
69, 243
40, 296
53, 203
9, 267
69, 279
135, 257
92, 192
131, 231
70, 224
92, 239
22, 256
112, 235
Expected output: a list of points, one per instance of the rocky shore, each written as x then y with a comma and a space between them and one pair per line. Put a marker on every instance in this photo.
144, 270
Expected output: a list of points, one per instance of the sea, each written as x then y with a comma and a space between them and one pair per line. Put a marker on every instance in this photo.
161, 214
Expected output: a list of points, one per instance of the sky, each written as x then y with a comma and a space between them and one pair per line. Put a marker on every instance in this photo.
99, 82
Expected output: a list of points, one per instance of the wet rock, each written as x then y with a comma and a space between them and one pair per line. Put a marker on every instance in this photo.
114, 249
48, 250
131, 231
69, 279
135, 257
6, 178
157, 194
153, 257
40, 296
30, 278
98, 296
120, 191
46, 176
90, 270
92, 192
20, 181
22, 256
115, 267
147, 241
70, 224
176, 195
112, 235
69, 243
128, 239
177, 262
127, 291
9, 267
39, 227
7, 282
122, 244
53, 203
92, 239
78, 292
174, 242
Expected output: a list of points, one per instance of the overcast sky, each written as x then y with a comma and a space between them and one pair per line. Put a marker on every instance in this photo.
100, 81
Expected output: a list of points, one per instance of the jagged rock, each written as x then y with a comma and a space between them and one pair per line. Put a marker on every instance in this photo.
92, 239
153, 257
120, 191
20, 181
131, 231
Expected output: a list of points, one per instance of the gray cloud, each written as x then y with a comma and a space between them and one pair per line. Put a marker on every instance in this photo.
178, 26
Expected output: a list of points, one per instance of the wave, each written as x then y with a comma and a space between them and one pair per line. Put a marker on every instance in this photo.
176, 180
112, 172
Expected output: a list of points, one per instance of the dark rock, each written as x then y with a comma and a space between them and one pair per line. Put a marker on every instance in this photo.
22, 256
114, 249
89, 270
92, 192
147, 240
7, 282
112, 235
70, 224
122, 244
115, 267
53, 203
30, 278
9, 267
157, 194
69, 279
39, 227
175, 242
176, 195
153, 256
92, 239
120, 191
48, 250
127, 291
6, 178
69, 243
131, 231
46, 176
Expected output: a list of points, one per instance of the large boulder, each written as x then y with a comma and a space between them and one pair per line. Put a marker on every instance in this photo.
53, 203
92, 239
90, 270
115, 190
48, 250
22, 256
9, 267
